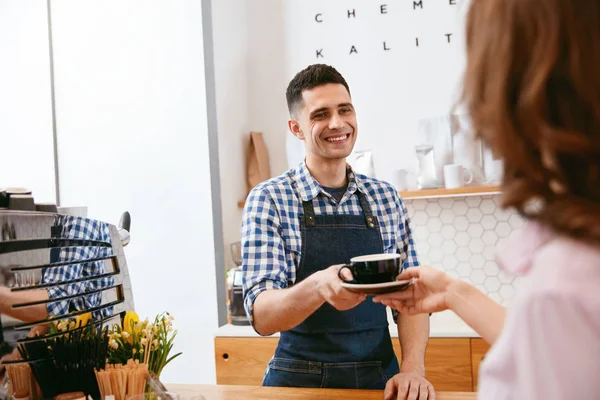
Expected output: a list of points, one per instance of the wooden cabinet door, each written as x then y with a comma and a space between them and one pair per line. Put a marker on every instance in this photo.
447, 363
243, 361
479, 348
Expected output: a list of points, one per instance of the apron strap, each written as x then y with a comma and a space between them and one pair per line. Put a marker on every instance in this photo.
309, 213
370, 220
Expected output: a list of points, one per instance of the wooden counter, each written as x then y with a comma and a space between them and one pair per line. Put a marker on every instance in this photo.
236, 392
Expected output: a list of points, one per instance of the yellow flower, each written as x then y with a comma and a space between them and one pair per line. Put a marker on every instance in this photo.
83, 319
131, 319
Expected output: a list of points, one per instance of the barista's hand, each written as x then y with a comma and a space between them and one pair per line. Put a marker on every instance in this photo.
14, 355
408, 386
8, 357
329, 286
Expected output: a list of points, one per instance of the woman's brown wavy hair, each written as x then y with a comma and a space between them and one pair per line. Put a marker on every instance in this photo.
532, 90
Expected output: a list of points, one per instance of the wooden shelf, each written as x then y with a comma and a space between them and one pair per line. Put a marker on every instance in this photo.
442, 192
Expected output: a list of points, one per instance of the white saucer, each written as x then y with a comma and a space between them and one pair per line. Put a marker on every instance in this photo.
378, 288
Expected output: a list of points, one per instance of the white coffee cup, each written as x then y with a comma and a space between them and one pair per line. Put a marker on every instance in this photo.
400, 179
454, 176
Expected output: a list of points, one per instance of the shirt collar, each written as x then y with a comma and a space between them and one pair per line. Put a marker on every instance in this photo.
309, 188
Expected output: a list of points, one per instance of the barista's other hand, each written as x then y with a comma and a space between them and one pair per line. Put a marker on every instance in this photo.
408, 386
330, 288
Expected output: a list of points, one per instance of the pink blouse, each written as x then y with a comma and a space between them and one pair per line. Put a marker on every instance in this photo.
550, 346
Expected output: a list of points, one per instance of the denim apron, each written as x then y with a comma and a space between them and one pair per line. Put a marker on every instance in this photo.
331, 348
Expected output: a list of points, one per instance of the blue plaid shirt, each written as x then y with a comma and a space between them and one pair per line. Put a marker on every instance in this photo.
271, 239
79, 228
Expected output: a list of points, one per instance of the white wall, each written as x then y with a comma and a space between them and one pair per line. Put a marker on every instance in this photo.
26, 147
132, 135
267, 77
250, 90
231, 58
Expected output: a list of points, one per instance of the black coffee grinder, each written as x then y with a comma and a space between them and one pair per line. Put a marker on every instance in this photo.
234, 285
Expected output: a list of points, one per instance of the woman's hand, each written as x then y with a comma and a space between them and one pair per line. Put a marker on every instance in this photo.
428, 294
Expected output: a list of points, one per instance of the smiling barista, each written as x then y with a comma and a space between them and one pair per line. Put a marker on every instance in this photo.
297, 228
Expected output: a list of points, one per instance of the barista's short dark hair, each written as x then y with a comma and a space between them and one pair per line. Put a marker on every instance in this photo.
309, 78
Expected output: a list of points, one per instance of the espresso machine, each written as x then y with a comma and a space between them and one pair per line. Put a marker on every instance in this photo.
234, 286
33, 245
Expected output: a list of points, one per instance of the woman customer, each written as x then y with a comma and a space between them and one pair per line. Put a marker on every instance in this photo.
532, 91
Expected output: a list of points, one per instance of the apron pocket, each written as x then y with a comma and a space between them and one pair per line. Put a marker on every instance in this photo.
354, 375
293, 373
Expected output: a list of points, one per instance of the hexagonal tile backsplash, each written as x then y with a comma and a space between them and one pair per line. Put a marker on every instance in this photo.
460, 235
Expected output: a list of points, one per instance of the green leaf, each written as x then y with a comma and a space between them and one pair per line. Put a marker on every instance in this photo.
172, 358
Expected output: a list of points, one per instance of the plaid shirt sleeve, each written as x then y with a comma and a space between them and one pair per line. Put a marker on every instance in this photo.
404, 238
406, 244
263, 252
79, 228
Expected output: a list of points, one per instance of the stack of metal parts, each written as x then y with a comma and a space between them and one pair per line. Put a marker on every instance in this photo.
78, 261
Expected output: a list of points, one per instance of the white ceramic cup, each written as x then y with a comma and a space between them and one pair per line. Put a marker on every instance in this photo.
400, 179
454, 176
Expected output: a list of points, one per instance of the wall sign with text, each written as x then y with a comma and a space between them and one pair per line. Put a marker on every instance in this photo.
383, 10
403, 61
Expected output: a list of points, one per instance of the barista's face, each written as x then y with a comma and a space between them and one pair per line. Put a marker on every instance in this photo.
326, 121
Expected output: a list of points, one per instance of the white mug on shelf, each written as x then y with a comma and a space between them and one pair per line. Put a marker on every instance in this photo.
454, 176
400, 179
